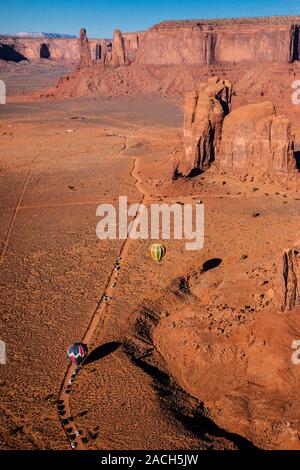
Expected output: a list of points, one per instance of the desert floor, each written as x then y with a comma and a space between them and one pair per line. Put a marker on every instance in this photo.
58, 162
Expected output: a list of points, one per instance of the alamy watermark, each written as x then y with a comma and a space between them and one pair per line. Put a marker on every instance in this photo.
296, 354
296, 94
2, 92
156, 221
2, 352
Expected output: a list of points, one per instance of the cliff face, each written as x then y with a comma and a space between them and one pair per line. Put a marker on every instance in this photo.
250, 137
206, 45
199, 42
35, 49
213, 42
254, 137
195, 42
85, 52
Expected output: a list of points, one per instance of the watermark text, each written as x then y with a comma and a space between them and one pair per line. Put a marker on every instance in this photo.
296, 93
2, 92
156, 221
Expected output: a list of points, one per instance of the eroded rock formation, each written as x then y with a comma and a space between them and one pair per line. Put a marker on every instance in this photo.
118, 49
238, 364
250, 137
291, 278
85, 52
66, 51
204, 112
254, 137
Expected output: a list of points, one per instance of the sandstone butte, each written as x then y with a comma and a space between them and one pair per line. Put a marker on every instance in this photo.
249, 137
191, 42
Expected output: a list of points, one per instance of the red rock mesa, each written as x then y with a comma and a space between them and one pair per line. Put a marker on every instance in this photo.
85, 52
251, 136
204, 112
190, 42
118, 49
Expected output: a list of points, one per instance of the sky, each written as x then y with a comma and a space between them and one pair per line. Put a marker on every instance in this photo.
101, 17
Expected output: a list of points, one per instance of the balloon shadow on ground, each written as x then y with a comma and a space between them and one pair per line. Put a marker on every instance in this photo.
211, 264
101, 351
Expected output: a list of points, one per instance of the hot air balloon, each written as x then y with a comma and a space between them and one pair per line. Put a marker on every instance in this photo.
77, 352
157, 251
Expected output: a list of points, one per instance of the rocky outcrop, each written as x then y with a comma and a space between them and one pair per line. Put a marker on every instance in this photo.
118, 50
66, 51
204, 112
239, 365
244, 377
188, 43
250, 137
85, 52
254, 137
291, 278
220, 41
101, 51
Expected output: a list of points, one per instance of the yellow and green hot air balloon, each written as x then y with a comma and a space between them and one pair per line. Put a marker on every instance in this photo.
157, 251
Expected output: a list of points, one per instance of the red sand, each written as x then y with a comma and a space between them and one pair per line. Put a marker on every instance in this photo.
208, 367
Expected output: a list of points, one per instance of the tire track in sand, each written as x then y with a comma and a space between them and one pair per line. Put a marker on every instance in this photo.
16, 209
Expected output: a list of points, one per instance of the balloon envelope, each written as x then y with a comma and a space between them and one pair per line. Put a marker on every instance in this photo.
77, 352
157, 251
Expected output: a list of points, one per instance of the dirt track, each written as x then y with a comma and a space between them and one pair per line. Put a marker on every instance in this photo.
54, 268
100, 314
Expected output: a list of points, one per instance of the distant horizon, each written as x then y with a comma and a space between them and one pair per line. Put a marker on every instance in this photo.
100, 19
